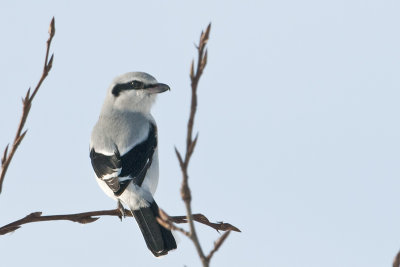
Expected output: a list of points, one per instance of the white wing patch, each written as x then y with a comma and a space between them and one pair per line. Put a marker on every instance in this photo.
112, 175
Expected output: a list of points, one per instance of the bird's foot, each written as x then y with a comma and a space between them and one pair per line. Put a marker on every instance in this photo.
121, 209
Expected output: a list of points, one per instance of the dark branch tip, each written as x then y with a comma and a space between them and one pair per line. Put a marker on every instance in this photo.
193, 144
207, 33
27, 96
229, 227
4, 158
178, 155
52, 28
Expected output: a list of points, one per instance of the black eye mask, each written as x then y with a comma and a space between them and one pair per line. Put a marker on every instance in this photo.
132, 85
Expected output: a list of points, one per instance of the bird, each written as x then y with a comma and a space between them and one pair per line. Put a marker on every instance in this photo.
124, 153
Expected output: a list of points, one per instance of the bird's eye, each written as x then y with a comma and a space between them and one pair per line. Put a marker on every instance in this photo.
137, 84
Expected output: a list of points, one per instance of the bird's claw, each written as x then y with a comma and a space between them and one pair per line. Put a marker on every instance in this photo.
121, 209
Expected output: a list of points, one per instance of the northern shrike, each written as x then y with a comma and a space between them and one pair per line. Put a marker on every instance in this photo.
124, 155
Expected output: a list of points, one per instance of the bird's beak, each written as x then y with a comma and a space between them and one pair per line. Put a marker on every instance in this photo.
158, 88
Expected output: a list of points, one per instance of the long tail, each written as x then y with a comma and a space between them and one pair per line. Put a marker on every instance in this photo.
158, 239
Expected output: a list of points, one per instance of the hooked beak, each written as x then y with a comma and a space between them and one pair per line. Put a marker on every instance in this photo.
157, 88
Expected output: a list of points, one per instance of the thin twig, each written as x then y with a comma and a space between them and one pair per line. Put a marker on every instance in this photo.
92, 216
195, 74
198, 217
27, 102
166, 222
217, 245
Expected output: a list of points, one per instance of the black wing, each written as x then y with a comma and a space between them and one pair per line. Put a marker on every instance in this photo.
134, 164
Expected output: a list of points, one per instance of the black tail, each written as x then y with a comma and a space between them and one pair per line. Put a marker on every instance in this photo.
158, 239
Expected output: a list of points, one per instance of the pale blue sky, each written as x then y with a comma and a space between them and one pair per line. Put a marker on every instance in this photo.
298, 118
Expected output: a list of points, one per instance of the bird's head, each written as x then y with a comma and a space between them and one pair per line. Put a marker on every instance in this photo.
134, 91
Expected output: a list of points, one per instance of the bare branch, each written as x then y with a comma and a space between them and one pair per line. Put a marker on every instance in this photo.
164, 220
217, 244
85, 217
198, 217
178, 154
92, 216
27, 102
195, 74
